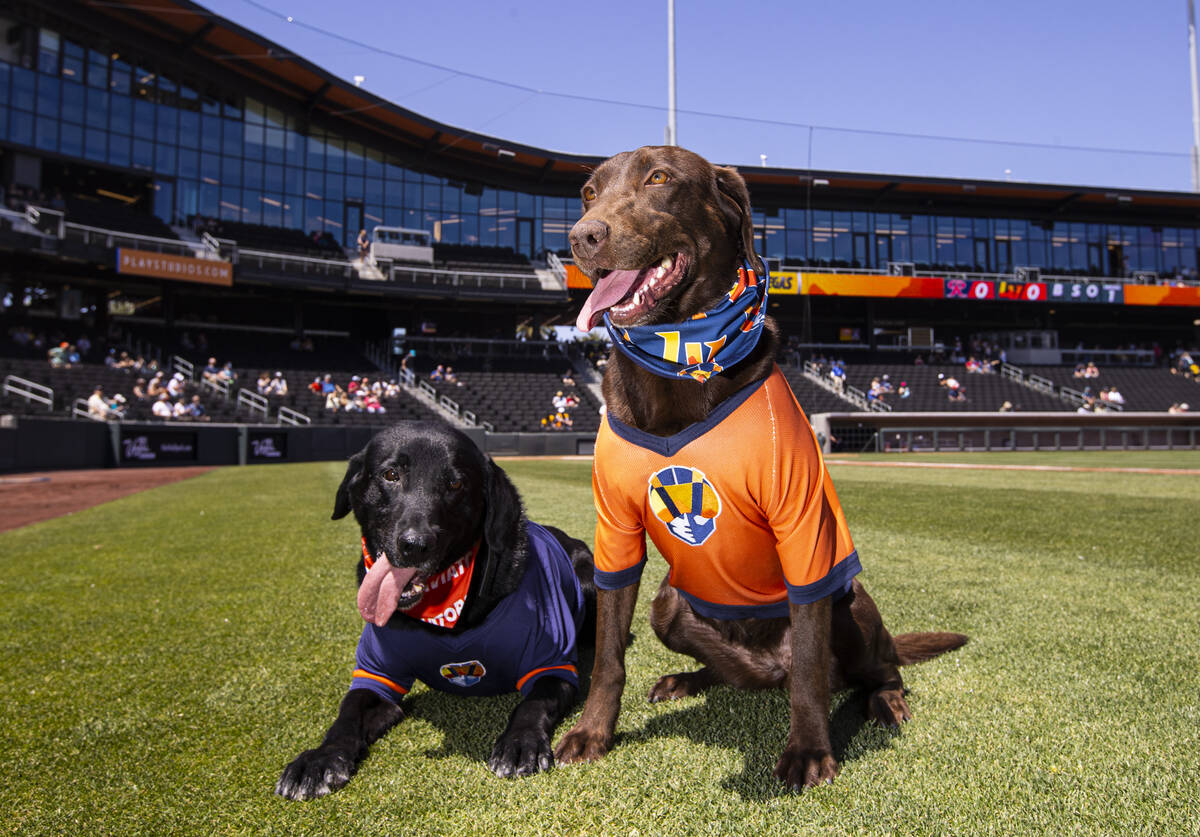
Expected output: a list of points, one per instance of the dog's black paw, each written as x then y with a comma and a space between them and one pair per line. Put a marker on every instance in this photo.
521, 753
315, 773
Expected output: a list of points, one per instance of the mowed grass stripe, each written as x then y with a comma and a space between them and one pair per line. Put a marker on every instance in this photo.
166, 654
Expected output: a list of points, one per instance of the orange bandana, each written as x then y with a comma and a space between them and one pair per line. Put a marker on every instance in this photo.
445, 594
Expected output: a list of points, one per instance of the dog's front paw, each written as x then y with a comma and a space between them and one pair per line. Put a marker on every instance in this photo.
521, 753
582, 744
676, 686
314, 773
799, 768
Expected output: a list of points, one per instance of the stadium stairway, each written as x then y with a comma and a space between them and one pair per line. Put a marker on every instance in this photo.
1144, 389
985, 392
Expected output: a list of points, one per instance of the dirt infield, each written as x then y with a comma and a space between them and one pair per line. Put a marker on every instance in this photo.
31, 498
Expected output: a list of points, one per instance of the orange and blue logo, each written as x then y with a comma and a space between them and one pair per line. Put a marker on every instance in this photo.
464, 674
686, 502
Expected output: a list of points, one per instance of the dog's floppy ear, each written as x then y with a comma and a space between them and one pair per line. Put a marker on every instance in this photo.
342, 504
736, 206
501, 528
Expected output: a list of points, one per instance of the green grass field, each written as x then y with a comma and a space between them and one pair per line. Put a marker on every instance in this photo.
166, 654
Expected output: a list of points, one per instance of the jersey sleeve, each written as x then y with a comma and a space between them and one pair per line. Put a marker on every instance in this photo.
814, 544
377, 670
620, 552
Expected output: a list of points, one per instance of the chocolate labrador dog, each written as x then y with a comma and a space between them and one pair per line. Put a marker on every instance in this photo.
459, 590
704, 448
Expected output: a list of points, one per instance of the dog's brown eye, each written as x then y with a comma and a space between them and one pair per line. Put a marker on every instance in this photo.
391, 475
658, 178
589, 194
455, 484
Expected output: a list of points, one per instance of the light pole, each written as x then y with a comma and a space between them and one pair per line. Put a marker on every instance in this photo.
1195, 97
671, 138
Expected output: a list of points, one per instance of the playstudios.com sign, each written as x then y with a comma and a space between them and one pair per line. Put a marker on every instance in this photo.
181, 268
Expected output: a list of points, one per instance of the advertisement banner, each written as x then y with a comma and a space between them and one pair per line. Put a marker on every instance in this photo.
267, 446
1161, 295
181, 268
157, 446
785, 282
856, 284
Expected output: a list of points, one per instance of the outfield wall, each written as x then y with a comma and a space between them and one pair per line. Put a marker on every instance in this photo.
32, 444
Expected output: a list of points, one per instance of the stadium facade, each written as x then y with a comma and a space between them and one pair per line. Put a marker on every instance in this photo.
166, 109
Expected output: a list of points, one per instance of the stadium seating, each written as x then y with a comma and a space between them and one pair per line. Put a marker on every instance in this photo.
112, 215
478, 257
278, 239
518, 401
1144, 389
985, 392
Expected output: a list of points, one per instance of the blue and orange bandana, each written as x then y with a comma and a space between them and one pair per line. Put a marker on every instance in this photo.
708, 343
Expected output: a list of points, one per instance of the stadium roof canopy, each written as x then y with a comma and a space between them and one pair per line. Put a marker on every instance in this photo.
182, 32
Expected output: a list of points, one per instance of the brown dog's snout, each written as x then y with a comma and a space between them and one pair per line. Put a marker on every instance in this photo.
587, 236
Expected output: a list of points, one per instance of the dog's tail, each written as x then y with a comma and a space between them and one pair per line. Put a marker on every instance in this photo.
919, 647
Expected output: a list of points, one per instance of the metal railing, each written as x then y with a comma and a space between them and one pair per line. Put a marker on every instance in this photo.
557, 267
217, 385
183, 366
29, 390
290, 263
253, 402
465, 279
1041, 384
848, 393
1081, 437
295, 418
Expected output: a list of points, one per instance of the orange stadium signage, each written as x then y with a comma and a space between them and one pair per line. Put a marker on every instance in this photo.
180, 268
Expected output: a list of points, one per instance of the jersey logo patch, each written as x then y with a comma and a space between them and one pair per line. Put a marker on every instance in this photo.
686, 502
464, 674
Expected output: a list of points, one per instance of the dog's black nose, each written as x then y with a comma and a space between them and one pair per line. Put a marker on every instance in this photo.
587, 236
415, 543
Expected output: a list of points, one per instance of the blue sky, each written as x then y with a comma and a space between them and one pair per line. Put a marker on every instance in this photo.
877, 86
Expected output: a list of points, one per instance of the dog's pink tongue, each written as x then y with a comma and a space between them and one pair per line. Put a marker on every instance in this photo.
608, 292
380, 590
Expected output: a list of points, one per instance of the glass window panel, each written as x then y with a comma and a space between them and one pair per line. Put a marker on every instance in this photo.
822, 236
96, 145
355, 188
72, 103
96, 115
354, 158
143, 83
168, 119
143, 154
47, 99
167, 91
256, 112
373, 189
252, 206
164, 159
119, 77
232, 143
294, 150
24, 88
164, 201
796, 249
189, 129
71, 140
334, 190
273, 179
118, 150
210, 133
20, 129
374, 163
48, 45
275, 144
231, 206
314, 185
395, 171
189, 98
275, 118
335, 154
372, 215
143, 119
252, 138
210, 168
189, 163
46, 136
315, 158
210, 200
412, 195
210, 106
187, 197
293, 180
252, 175
231, 171
73, 56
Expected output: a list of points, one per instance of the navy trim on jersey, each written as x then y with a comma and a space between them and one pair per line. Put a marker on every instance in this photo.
836, 583
620, 578
728, 611
670, 445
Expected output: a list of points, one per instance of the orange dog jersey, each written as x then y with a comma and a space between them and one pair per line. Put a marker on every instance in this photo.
740, 505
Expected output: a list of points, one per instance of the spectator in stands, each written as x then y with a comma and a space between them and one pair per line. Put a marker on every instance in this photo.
97, 407
1112, 395
227, 374
263, 384
973, 366
211, 371
438, 374
1091, 370
195, 410
391, 390
157, 386
559, 402
1007, 407
139, 390
568, 379
162, 407
315, 386
904, 391
125, 363
117, 405
355, 383
278, 386
1178, 408
837, 371
84, 344
57, 355
327, 385
371, 403
176, 385
364, 244
452, 377
180, 410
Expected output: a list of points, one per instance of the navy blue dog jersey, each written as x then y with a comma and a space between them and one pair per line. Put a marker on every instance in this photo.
529, 634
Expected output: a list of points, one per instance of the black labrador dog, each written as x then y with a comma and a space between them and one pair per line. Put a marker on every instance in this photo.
669, 240
459, 590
